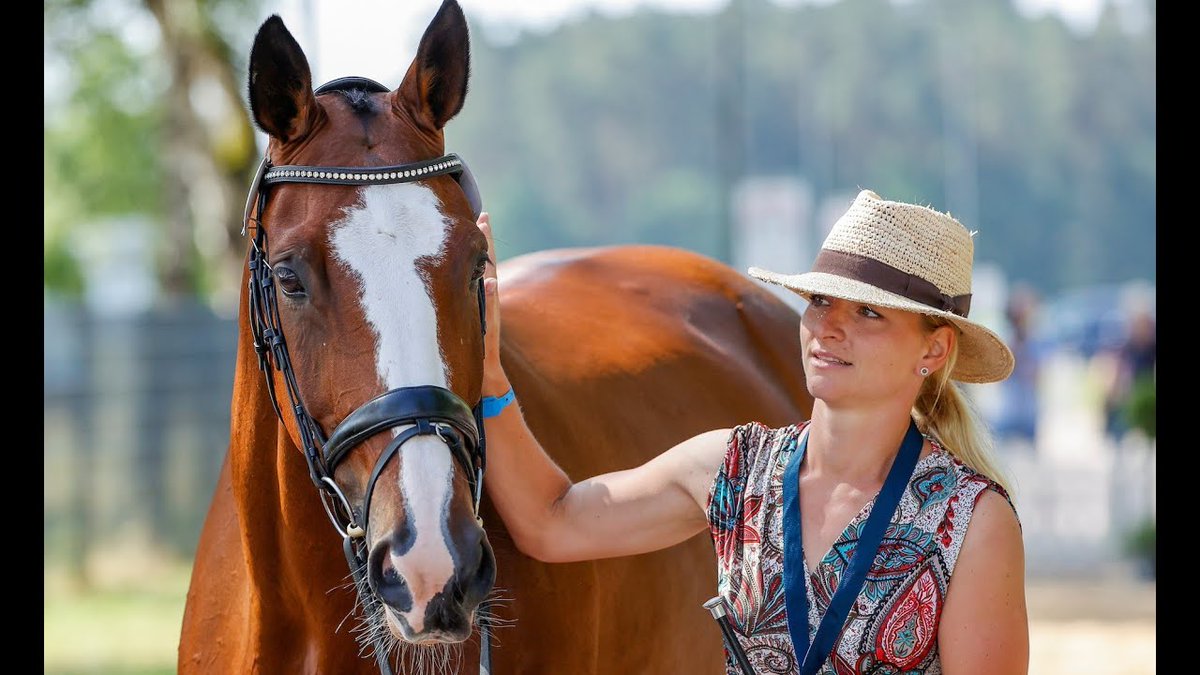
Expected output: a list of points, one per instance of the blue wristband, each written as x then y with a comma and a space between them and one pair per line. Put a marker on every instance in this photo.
493, 405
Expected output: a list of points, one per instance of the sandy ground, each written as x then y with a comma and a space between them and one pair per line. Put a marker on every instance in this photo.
1095, 627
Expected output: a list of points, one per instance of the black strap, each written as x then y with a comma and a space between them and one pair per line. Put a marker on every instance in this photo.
422, 428
351, 82
356, 558
485, 644
813, 656
396, 407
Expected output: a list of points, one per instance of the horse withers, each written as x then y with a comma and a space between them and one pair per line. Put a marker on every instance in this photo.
363, 309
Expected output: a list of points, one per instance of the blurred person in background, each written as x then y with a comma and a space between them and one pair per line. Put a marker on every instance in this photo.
1129, 376
1017, 415
893, 461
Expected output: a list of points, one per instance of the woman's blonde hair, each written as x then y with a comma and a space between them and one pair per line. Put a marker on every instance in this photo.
943, 411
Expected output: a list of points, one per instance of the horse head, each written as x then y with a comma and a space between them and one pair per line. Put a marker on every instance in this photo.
368, 306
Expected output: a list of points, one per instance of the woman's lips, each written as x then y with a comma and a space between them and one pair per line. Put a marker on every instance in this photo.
825, 358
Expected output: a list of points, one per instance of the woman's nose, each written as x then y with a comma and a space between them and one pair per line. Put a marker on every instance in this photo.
829, 321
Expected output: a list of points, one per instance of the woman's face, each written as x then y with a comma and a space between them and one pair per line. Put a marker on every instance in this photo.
857, 354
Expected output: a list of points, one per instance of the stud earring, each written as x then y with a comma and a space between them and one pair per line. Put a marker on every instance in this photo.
924, 371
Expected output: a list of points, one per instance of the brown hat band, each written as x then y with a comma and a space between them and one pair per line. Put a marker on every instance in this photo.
890, 279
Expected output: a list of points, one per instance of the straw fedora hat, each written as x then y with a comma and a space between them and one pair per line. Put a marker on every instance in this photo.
908, 257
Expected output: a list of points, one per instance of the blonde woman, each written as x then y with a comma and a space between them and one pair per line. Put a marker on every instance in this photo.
892, 461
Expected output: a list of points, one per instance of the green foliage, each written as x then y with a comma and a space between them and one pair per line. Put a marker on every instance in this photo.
595, 128
1141, 543
608, 130
110, 143
103, 116
103, 130
60, 270
1139, 410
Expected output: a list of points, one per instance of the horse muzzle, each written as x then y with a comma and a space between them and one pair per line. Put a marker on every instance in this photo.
421, 605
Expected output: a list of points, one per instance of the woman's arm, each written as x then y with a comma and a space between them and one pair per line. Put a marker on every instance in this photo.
641, 509
985, 627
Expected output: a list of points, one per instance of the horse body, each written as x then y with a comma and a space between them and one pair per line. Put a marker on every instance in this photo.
616, 354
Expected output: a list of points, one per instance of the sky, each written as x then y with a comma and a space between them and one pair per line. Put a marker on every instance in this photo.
325, 28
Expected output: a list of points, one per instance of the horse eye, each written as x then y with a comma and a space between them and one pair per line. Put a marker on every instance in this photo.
480, 269
289, 282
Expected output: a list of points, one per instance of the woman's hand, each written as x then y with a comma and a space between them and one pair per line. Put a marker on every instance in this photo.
495, 382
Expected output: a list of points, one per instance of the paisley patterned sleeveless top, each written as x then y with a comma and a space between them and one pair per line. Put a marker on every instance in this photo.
892, 626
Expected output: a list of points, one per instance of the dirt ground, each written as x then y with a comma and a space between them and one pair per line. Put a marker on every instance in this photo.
1095, 627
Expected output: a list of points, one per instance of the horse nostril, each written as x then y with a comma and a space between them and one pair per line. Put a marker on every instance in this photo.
392, 577
476, 588
456, 590
385, 579
394, 592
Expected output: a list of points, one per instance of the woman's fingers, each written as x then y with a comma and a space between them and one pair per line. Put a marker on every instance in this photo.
491, 302
485, 226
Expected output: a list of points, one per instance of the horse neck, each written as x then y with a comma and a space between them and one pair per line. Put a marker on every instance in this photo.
288, 542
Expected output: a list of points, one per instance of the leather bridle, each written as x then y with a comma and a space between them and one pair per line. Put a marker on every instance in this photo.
431, 410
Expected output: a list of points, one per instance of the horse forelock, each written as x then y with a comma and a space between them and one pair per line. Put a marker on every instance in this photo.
361, 102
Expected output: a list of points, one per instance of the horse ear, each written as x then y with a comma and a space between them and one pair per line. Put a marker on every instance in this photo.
435, 85
281, 97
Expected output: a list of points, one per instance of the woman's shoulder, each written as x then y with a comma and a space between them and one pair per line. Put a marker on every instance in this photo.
754, 446
966, 476
757, 431
963, 489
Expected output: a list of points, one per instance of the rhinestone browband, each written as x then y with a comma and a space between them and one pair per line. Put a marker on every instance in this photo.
365, 176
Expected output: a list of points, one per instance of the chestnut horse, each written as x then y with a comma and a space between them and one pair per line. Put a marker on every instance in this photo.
367, 299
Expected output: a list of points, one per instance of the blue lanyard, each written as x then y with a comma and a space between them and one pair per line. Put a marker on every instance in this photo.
813, 656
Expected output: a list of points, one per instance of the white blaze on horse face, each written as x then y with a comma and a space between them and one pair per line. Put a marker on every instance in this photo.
381, 239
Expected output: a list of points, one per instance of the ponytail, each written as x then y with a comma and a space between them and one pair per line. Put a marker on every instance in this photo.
943, 411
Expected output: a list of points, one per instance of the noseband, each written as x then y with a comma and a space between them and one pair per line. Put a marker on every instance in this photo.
431, 410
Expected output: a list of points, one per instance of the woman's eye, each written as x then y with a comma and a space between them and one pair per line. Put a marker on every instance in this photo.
818, 300
870, 313
289, 282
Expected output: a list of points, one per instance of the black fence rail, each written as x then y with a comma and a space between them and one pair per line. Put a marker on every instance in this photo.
136, 426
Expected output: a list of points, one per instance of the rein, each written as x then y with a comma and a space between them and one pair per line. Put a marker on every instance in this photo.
431, 410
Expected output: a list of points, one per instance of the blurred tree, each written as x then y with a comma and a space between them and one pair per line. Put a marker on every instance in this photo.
208, 137
144, 115
100, 118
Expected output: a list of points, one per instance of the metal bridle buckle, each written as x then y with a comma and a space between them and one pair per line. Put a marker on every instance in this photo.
438, 427
353, 530
478, 492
